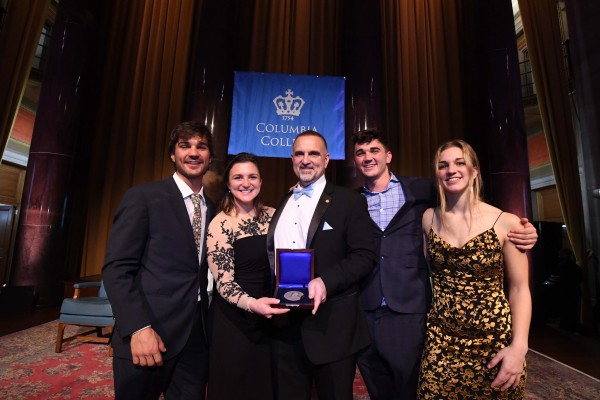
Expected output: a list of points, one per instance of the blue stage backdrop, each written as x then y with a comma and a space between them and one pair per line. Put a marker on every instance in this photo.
270, 110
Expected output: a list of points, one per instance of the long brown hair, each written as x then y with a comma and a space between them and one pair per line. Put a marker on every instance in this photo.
227, 203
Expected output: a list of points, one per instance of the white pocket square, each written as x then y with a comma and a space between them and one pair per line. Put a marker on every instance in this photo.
326, 226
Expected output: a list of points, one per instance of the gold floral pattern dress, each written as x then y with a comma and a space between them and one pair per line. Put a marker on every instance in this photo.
469, 321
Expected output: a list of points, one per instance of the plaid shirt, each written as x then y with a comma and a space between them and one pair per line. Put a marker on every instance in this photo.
384, 205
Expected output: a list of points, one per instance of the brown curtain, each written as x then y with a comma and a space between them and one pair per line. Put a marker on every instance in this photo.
18, 40
296, 37
422, 85
540, 23
141, 101
146, 67
542, 31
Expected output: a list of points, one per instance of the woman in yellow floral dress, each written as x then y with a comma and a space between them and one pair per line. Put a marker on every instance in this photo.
476, 337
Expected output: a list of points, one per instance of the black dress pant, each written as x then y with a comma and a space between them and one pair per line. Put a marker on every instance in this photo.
296, 376
390, 364
181, 377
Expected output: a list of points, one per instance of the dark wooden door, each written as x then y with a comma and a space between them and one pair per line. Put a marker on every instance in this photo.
6, 226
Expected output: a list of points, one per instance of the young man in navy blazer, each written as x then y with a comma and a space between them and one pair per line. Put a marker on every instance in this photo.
396, 295
318, 346
155, 273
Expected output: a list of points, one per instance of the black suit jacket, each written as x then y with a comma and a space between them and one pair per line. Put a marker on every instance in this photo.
401, 273
343, 256
151, 269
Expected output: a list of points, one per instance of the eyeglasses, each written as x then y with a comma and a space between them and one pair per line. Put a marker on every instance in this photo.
312, 155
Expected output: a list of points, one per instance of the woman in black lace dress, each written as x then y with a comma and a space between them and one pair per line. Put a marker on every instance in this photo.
240, 354
476, 337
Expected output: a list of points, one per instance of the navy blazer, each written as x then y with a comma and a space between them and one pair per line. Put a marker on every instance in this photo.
401, 274
344, 255
151, 269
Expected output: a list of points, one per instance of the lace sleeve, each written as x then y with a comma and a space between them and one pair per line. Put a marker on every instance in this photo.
220, 239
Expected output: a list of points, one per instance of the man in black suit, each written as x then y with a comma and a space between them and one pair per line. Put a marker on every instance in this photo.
319, 346
396, 295
155, 273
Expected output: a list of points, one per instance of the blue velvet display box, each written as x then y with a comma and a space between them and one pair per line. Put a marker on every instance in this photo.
295, 269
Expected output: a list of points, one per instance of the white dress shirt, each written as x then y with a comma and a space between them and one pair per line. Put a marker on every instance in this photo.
186, 192
291, 231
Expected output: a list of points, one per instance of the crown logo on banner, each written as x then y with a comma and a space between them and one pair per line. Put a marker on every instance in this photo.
288, 105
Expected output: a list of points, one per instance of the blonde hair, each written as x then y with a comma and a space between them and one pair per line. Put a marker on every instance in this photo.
472, 163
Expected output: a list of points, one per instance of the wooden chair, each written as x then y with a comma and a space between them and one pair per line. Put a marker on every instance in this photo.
94, 312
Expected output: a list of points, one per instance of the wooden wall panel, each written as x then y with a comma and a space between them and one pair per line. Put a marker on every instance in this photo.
549, 205
11, 184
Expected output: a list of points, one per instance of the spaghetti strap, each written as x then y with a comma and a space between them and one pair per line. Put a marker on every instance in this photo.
433, 216
497, 219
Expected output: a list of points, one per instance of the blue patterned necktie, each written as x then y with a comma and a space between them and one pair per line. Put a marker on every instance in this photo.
197, 220
299, 191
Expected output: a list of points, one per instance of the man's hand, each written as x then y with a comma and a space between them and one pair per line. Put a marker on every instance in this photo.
318, 292
146, 348
525, 238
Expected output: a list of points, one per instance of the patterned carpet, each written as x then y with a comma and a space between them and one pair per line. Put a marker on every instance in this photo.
29, 369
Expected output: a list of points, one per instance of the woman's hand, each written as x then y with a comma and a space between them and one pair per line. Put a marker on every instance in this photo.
511, 359
263, 307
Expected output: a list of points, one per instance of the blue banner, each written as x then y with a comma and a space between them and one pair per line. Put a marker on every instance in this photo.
270, 110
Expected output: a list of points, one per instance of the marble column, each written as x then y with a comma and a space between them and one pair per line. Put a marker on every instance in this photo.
40, 249
495, 121
362, 67
495, 116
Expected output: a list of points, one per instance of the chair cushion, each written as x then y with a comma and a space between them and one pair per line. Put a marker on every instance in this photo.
86, 320
87, 306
